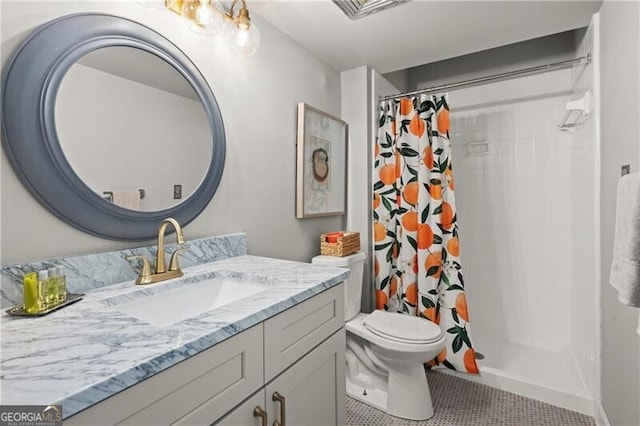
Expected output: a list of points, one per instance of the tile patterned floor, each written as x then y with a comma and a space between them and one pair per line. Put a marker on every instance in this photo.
459, 402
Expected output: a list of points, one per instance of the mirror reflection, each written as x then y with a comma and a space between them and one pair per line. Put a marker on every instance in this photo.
132, 128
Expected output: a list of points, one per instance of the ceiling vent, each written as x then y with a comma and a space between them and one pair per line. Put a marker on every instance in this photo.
356, 9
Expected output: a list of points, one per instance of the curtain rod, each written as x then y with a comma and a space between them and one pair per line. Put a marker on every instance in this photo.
542, 68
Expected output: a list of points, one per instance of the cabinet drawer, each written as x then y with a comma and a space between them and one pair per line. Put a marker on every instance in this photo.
296, 331
242, 415
206, 385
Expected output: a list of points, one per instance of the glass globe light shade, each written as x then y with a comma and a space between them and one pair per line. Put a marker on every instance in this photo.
201, 17
242, 41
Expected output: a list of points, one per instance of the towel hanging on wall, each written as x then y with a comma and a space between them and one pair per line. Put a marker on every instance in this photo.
625, 267
127, 199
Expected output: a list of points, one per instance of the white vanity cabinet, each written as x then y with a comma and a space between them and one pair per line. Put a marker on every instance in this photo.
298, 354
311, 392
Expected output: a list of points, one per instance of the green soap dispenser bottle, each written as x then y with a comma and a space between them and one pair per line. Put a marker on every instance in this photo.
30, 293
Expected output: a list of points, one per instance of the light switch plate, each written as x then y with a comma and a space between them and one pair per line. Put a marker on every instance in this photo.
625, 170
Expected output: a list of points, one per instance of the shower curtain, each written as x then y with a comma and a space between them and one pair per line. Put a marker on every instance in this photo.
417, 263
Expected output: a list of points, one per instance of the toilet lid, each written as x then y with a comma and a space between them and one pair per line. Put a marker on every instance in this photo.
402, 328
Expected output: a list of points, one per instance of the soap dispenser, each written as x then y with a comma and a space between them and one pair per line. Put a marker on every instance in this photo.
52, 288
43, 289
31, 295
61, 291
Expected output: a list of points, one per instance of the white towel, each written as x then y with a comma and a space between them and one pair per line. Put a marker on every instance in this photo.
625, 267
127, 199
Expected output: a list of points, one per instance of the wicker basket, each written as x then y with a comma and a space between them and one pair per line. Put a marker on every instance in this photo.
348, 244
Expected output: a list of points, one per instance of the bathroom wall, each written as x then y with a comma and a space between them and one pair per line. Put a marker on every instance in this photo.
620, 136
257, 96
362, 87
583, 179
399, 79
112, 154
355, 95
530, 53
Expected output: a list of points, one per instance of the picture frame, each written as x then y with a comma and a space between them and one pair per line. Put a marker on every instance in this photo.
321, 166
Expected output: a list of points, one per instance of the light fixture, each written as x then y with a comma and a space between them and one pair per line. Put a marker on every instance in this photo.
152, 4
202, 17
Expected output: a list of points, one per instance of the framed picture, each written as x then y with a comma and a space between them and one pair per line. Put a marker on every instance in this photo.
321, 172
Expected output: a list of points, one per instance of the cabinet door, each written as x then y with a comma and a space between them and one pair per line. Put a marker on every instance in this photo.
242, 415
313, 388
232, 378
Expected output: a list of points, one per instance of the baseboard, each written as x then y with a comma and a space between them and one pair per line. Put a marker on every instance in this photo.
601, 415
506, 382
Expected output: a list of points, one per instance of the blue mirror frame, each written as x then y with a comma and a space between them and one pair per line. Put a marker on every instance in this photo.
30, 81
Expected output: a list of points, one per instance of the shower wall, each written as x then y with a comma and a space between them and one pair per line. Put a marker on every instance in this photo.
513, 172
526, 195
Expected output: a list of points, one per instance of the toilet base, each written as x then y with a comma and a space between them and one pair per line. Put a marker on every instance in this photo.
412, 402
373, 397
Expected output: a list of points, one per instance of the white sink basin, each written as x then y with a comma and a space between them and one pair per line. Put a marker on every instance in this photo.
173, 304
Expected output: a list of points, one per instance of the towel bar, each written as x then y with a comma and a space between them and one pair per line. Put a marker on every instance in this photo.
108, 195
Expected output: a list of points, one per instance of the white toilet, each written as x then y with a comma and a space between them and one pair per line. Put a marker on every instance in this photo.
385, 350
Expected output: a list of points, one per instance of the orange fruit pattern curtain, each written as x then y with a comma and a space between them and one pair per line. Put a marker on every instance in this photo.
417, 251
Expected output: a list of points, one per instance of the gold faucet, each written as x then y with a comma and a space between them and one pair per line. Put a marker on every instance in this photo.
161, 273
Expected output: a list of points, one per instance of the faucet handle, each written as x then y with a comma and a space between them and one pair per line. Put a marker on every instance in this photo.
173, 262
145, 272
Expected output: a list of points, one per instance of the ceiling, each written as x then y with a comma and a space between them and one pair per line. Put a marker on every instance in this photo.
141, 67
419, 31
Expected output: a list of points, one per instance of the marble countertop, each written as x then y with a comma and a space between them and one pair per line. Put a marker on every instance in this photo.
88, 351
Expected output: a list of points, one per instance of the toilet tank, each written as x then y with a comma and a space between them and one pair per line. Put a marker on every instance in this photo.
353, 284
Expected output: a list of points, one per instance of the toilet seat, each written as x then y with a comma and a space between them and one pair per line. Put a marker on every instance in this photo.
401, 328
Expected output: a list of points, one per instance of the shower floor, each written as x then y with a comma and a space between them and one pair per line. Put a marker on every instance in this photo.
550, 377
